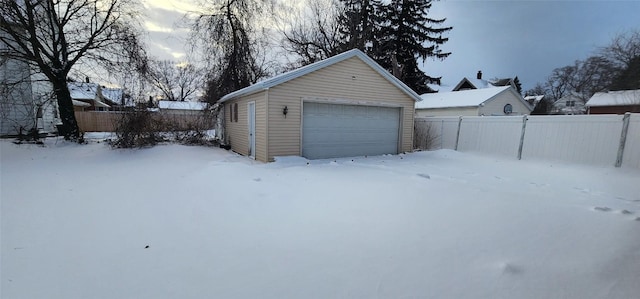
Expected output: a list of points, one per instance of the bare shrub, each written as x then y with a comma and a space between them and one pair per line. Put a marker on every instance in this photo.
143, 128
137, 128
425, 136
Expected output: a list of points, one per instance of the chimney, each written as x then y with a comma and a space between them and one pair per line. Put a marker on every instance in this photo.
87, 79
479, 76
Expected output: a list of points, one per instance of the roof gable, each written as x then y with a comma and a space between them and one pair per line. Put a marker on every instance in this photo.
463, 98
288, 76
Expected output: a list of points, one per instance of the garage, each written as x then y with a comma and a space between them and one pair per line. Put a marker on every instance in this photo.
344, 106
338, 130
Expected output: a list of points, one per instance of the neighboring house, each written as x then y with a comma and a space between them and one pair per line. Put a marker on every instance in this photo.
116, 97
479, 83
25, 98
88, 93
503, 100
571, 104
614, 102
346, 105
534, 100
185, 107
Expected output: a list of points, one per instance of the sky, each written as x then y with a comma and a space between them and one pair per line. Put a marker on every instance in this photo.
503, 39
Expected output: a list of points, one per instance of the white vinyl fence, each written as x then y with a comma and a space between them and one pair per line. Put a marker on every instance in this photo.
590, 139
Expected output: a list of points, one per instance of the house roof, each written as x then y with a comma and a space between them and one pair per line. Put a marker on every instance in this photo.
288, 76
463, 98
482, 83
83, 91
534, 99
113, 94
87, 92
182, 105
615, 98
80, 103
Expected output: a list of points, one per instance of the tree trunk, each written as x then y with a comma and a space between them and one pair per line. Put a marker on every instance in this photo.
70, 128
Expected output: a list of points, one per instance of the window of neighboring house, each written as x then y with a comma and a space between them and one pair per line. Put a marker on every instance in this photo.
570, 103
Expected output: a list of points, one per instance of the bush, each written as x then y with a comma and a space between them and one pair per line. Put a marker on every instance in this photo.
137, 129
143, 128
424, 135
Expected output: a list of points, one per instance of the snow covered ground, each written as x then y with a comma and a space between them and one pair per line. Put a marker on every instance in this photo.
85, 221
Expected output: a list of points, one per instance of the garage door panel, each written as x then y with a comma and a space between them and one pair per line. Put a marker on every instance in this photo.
333, 130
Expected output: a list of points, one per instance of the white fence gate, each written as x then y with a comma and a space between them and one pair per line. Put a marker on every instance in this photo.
589, 139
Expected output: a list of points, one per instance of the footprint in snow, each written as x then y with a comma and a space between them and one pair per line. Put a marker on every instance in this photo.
508, 268
424, 175
257, 179
602, 209
626, 212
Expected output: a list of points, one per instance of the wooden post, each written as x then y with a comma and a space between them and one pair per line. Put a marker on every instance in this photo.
623, 138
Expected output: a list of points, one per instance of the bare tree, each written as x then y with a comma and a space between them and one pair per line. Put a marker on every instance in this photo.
54, 36
228, 33
312, 32
624, 48
176, 81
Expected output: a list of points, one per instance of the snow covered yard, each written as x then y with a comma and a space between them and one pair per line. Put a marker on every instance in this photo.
85, 221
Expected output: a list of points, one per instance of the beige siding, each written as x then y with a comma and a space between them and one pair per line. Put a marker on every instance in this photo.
496, 105
461, 111
351, 81
238, 132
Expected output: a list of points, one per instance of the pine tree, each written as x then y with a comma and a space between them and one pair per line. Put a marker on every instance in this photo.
359, 24
518, 85
408, 34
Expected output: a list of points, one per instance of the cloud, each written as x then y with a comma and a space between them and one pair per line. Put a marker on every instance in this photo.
153, 27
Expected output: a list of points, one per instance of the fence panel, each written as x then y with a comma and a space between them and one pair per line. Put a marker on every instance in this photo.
631, 157
97, 121
107, 121
591, 139
491, 135
436, 132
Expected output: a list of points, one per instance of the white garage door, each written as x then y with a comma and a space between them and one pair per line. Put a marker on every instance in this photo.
332, 130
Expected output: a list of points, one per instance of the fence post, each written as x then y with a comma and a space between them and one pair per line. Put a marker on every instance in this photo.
623, 138
524, 129
458, 133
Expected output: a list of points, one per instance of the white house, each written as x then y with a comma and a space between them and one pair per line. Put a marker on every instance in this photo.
503, 100
25, 98
88, 93
184, 107
479, 83
571, 104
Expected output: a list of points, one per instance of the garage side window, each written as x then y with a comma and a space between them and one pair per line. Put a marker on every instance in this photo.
235, 112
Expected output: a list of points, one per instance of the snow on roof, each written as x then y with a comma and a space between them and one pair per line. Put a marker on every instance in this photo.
182, 105
82, 90
80, 103
463, 98
615, 98
282, 78
534, 100
113, 94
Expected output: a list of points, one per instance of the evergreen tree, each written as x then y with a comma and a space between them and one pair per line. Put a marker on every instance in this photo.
359, 24
408, 34
516, 81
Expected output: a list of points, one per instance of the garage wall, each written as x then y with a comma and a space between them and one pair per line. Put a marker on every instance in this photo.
238, 132
351, 81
